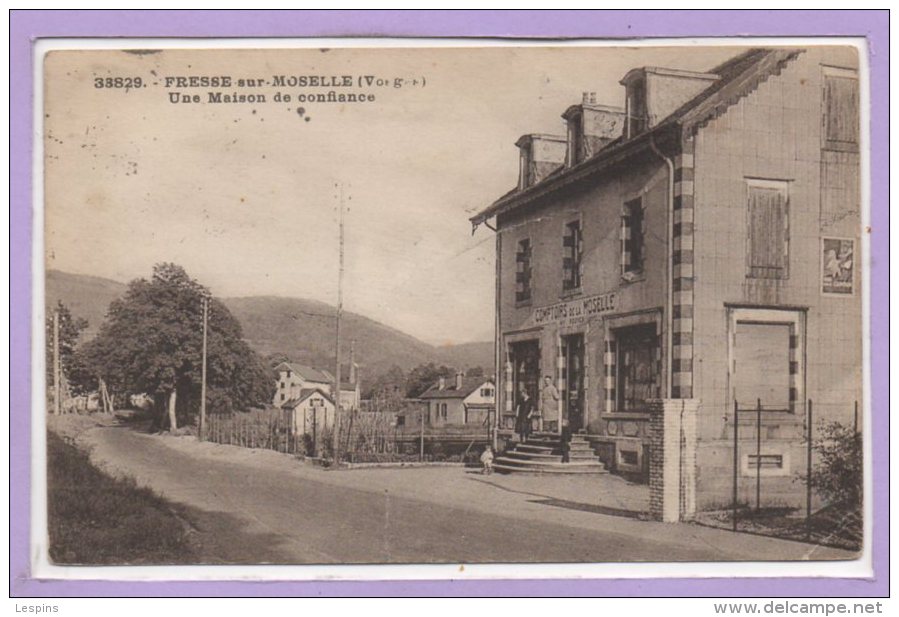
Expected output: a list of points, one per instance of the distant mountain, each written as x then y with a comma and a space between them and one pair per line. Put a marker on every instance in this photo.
302, 330
86, 296
469, 354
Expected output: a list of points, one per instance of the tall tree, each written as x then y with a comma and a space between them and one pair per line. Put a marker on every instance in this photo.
151, 342
477, 371
387, 390
70, 328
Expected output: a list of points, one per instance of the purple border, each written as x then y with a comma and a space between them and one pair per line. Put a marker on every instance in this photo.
26, 26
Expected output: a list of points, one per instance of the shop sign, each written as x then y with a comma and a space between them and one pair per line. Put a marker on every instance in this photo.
577, 310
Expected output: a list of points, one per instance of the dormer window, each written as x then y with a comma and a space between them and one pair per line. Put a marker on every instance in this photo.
653, 93
539, 155
575, 139
524, 166
636, 107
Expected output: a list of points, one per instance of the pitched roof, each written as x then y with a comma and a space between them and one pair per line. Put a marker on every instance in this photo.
737, 78
469, 385
304, 394
307, 372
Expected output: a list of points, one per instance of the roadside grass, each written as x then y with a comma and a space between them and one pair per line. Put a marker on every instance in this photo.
96, 519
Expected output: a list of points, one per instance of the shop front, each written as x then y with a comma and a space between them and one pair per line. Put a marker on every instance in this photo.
557, 342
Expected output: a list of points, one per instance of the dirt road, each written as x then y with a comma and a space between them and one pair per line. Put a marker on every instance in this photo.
250, 506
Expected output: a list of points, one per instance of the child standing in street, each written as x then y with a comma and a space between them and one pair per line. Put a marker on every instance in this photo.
487, 460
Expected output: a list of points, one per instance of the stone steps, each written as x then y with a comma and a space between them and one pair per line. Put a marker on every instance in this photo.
509, 460
526, 447
536, 456
559, 468
542, 453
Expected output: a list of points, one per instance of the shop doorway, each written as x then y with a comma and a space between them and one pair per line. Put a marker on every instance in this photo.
573, 396
525, 359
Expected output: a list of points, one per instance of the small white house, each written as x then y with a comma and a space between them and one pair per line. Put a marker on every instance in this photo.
312, 411
294, 379
462, 401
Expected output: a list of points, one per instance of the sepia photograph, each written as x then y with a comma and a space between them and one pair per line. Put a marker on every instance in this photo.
471, 303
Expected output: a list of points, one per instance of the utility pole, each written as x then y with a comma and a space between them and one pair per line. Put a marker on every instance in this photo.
353, 361
57, 389
335, 437
202, 431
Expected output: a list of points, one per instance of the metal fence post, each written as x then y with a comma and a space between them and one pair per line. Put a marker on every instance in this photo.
808, 475
758, 455
421, 437
736, 462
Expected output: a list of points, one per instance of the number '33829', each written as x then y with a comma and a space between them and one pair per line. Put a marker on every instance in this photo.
118, 82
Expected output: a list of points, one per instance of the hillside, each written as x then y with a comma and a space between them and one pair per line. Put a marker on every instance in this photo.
302, 330
86, 296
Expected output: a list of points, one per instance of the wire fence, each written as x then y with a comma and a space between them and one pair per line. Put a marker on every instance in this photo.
760, 472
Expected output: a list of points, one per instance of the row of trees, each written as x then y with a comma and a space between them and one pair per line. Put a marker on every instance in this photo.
151, 342
395, 385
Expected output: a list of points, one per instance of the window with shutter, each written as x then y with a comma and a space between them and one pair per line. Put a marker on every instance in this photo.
762, 365
840, 109
632, 237
572, 251
768, 244
523, 271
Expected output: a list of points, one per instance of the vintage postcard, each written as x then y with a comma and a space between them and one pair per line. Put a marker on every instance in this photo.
453, 304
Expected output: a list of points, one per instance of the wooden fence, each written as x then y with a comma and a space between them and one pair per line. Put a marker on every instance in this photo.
363, 435
262, 428
368, 432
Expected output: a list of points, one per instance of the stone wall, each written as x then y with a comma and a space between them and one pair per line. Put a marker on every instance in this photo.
672, 459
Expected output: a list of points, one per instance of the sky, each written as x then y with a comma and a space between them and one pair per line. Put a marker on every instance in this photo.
245, 196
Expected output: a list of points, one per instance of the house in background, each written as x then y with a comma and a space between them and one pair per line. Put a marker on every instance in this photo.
295, 380
687, 256
462, 401
310, 412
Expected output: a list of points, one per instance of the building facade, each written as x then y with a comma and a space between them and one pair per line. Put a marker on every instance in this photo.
692, 253
311, 412
463, 401
295, 380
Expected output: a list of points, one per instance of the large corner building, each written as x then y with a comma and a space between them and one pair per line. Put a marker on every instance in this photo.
691, 253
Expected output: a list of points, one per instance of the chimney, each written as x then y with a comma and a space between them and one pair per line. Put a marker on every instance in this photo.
459, 377
591, 127
539, 155
441, 383
654, 93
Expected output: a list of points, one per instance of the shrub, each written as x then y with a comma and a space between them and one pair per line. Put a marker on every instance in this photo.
837, 477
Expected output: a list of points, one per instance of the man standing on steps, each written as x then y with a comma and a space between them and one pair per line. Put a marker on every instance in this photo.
525, 411
549, 401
